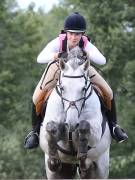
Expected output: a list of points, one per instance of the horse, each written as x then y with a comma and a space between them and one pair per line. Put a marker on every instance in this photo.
75, 135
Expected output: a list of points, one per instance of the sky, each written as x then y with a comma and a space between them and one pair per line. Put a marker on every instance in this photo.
45, 4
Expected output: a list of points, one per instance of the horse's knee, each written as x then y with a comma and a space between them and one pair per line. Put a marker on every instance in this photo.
51, 127
83, 131
52, 138
84, 127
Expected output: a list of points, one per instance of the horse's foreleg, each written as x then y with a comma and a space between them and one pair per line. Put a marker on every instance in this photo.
83, 132
52, 130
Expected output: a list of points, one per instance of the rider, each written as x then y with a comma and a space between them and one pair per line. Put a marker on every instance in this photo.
74, 29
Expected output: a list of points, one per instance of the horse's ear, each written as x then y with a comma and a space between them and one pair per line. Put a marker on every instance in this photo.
85, 65
62, 64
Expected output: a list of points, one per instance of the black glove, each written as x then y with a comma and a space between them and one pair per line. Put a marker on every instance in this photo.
62, 55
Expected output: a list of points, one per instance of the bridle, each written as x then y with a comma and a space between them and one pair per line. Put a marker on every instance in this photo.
73, 103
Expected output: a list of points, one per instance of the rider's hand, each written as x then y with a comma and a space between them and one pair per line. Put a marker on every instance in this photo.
60, 55
63, 55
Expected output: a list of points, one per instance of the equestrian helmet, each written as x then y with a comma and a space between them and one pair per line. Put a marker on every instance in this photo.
75, 23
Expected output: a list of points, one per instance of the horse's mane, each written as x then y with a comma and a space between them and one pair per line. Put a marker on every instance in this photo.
73, 55
74, 52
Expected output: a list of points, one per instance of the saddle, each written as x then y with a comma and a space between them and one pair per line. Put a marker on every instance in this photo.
105, 101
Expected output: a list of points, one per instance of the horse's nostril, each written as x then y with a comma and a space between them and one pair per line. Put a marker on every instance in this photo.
72, 103
77, 125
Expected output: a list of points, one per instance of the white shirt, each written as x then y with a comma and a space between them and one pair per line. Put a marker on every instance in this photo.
53, 47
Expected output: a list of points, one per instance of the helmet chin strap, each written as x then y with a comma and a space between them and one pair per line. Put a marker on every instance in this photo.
67, 47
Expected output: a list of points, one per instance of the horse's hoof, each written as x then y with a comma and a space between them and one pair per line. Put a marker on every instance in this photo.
82, 164
54, 164
83, 171
84, 175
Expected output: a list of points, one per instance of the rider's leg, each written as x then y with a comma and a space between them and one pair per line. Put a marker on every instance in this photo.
32, 140
116, 132
39, 97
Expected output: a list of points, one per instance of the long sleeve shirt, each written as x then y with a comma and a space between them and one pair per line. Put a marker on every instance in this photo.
53, 47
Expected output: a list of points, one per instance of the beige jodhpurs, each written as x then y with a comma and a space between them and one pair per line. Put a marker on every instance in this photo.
46, 84
102, 85
49, 80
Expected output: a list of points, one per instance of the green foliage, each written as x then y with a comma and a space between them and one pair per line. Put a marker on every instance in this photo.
23, 34
123, 166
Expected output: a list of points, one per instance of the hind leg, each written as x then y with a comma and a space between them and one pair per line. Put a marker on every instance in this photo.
98, 169
68, 171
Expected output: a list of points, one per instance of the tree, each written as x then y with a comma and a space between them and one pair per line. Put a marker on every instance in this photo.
23, 34
21, 39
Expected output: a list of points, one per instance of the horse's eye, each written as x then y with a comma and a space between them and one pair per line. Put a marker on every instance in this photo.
61, 88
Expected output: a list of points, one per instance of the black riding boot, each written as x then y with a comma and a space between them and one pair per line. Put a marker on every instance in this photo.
32, 139
117, 133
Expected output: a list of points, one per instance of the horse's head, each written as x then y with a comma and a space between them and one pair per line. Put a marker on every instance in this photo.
73, 88
75, 56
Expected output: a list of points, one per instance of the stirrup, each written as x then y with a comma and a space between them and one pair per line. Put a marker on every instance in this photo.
29, 145
31, 133
117, 136
114, 127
